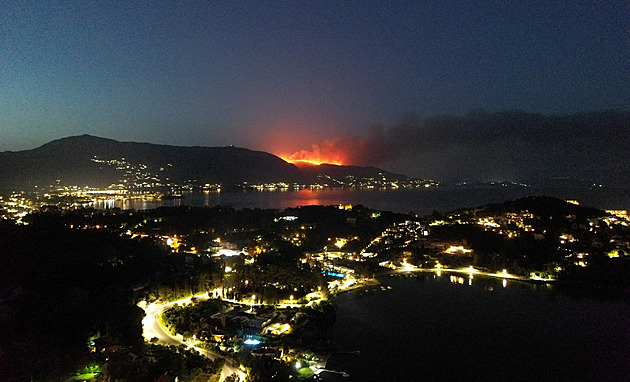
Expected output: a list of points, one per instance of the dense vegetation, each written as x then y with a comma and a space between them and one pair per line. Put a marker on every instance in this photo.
61, 287
69, 275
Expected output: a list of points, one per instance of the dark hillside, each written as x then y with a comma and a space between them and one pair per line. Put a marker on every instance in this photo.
98, 162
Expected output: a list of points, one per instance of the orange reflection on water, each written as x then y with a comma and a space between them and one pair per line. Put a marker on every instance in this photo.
309, 197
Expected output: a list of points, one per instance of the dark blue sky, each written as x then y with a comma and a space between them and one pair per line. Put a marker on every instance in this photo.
280, 76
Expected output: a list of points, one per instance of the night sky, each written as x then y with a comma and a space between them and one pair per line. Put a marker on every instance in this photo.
284, 76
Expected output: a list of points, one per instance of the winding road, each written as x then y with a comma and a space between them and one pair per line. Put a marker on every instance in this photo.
151, 328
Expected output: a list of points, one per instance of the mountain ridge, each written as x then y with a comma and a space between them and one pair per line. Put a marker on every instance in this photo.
87, 160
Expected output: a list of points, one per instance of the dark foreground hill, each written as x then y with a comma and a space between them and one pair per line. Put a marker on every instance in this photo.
98, 162
543, 206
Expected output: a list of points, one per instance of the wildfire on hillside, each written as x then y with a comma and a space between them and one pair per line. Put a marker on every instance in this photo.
304, 158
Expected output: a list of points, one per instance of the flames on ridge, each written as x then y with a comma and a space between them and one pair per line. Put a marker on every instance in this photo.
312, 158
370, 149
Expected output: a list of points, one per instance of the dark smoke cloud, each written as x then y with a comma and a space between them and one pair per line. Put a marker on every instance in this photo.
367, 150
494, 146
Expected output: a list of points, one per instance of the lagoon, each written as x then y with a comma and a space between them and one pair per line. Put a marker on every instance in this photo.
450, 327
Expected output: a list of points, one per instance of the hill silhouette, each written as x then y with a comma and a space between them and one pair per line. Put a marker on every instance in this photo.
99, 162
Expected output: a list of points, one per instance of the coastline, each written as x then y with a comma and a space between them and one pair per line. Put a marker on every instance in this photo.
471, 271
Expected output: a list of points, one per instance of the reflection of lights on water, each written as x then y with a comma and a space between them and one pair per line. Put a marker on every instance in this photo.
504, 283
459, 280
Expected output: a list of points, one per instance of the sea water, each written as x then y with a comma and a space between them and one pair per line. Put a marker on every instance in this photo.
421, 201
425, 327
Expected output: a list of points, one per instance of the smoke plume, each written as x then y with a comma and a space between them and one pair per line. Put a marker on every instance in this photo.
491, 146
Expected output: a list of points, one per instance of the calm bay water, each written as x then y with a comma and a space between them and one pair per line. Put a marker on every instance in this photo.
443, 328
420, 201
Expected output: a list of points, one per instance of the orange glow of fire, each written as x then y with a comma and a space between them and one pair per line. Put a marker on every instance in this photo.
335, 151
305, 161
299, 159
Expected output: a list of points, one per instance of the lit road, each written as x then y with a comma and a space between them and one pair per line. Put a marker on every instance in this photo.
470, 271
151, 328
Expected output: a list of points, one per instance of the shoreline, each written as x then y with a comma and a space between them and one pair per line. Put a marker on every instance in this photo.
475, 272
